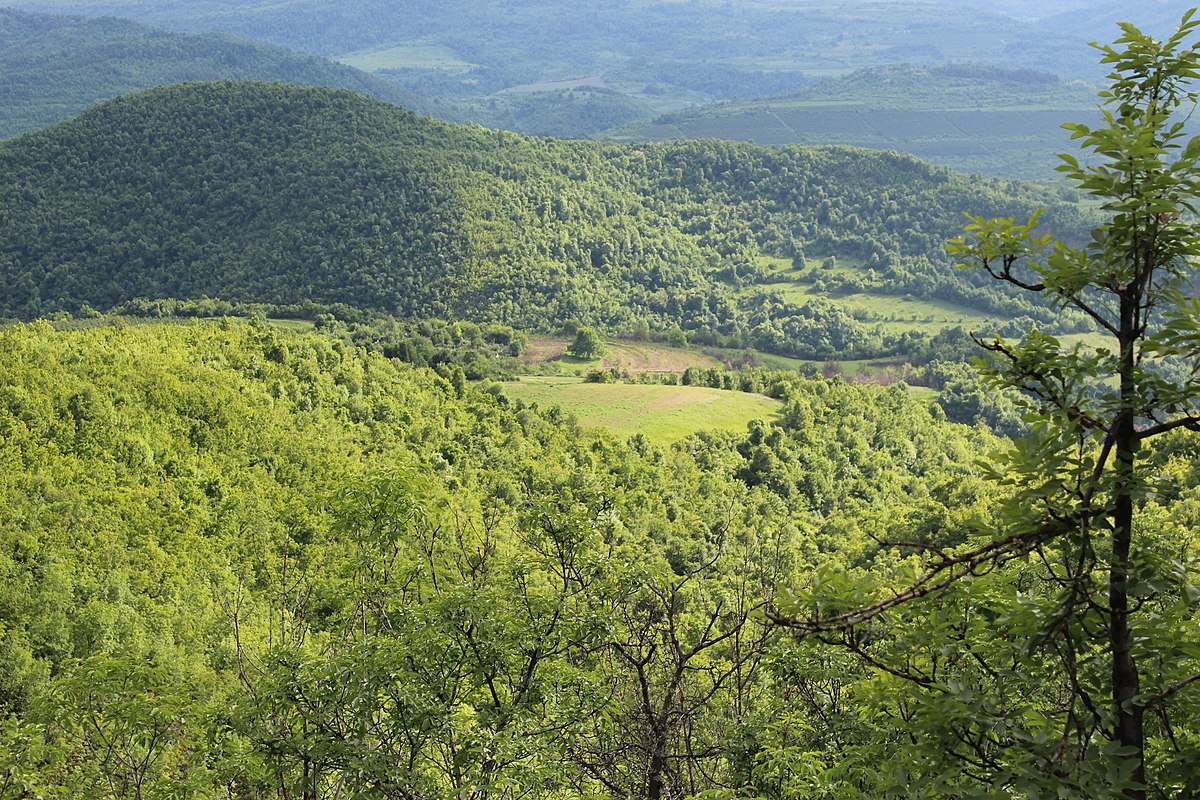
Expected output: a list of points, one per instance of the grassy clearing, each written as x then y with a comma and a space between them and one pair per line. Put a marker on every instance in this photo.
896, 314
292, 325
555, 86
550, 353
899, 314
862, 366
1091, 341
405, 56
663, 414
924, 393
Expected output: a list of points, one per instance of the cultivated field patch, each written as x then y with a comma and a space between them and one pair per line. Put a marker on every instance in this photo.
405, 56
594, 81
621, 355
663, 414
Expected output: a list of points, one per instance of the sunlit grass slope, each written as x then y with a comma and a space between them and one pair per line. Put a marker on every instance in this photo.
663, 414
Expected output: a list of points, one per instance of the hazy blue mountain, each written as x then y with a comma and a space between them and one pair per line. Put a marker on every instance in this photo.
526, 65
52, 67
972, 118
667, 53
1094, 21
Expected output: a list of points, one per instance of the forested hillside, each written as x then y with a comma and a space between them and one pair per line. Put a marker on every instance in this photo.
51, 68
325, 551
970, 118
239, 562
282, 194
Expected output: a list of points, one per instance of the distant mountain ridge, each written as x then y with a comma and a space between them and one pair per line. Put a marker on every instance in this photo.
52, 67
283, 194
969, 117
1094, 20
477, 59
661, 53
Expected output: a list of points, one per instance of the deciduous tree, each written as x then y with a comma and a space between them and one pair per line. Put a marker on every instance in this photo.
1097, 607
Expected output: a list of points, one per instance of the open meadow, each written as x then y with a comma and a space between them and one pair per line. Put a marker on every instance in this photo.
663, 414
549, 354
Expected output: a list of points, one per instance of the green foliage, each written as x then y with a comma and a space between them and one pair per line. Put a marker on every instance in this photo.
965, 397
1052, 651
587, 344
127, 728
244, 561
330, 199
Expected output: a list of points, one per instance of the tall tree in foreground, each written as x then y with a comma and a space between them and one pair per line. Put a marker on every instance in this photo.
1096, 606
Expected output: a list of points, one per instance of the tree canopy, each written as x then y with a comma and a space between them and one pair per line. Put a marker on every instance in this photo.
245, 561
328, 197
1094, 596
587, 344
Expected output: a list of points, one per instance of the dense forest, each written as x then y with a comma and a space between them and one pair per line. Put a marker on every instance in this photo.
275, 521
240, 562
282, 194
51, 68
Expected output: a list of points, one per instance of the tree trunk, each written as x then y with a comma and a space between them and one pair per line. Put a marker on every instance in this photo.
1126, 685
656, 774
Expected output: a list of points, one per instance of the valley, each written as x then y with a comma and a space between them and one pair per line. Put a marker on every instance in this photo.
55, 67
690, 400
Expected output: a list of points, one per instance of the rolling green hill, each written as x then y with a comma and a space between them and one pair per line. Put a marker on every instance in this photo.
282, 194
974, 119
51, 68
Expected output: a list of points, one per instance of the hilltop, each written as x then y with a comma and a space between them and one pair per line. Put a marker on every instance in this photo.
281, 194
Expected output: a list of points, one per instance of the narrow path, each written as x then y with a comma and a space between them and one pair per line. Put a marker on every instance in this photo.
791, 131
